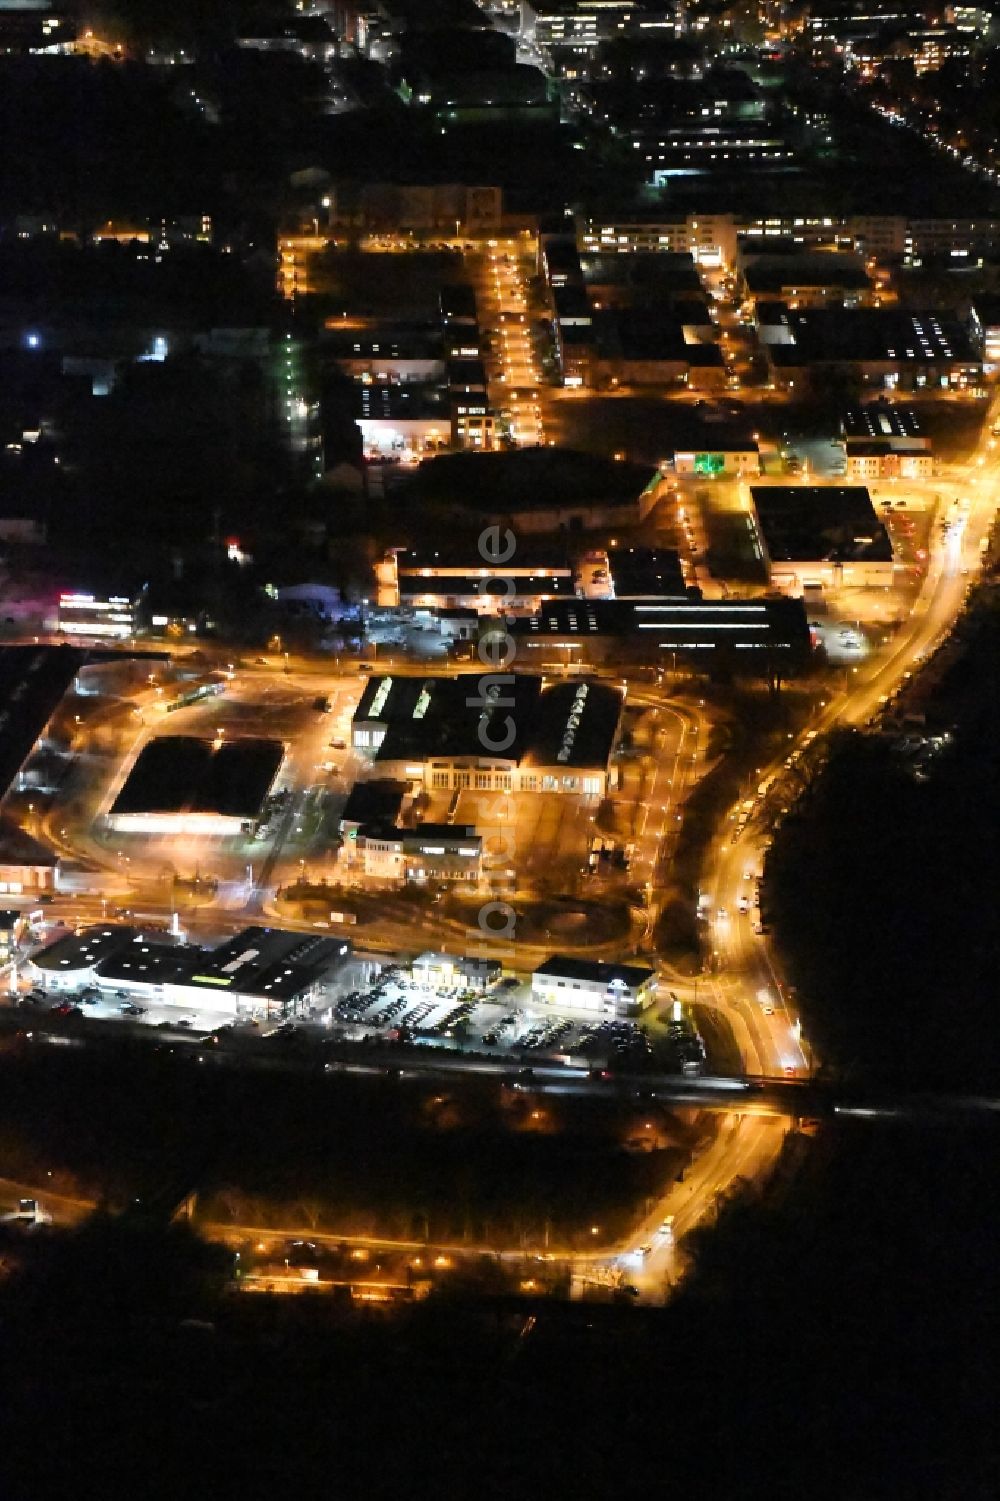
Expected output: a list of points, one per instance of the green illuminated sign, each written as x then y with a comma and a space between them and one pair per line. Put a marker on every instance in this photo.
709, 463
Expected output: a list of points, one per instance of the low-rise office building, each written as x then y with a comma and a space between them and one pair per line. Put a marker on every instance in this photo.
873, 458
594, 986
444, 853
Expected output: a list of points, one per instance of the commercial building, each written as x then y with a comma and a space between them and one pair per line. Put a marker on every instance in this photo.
751, 635
813, 537
377, 801
647, 346
261, 972
595, 986
436, 580
889, 348
713, 238
802, 280
883, 441
440, 972
503, 732
182, 785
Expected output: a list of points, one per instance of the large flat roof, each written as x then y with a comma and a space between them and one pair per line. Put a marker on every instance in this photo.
33, 682
575, 726
805, 523
268, 963
430, 716
821, 269
552, 724
500, 587
671, 624
646, 571
874, 334
182, 774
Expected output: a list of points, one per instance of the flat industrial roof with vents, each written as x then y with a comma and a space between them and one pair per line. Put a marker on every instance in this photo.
669, 624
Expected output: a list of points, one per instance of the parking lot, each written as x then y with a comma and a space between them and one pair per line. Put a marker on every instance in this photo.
394, 1007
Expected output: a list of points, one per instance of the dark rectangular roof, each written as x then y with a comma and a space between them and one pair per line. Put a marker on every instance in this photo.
873, 334
771, 274
871, 448
530, 557
468, 375
684, 624
179, 773
413, 401
18, 847
83, 950
598, 971
561, 255
645, 571
376, 801
575, 725
268, 962
804, 523
432, 716
458, 301
499, 586
405, 344
33, 682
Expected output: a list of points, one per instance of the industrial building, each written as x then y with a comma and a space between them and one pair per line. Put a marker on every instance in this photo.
436, 581
590, 632
261, 972
825, 537
604, 989
504, 732
890, 348
182, 785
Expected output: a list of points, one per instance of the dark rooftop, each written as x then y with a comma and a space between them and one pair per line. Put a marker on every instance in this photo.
575, 725
19, 848
645, 571
529, 479
873, 334
803, 523
771, 274
33, 681
671, 624
178, 773
598, 971
376, 801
